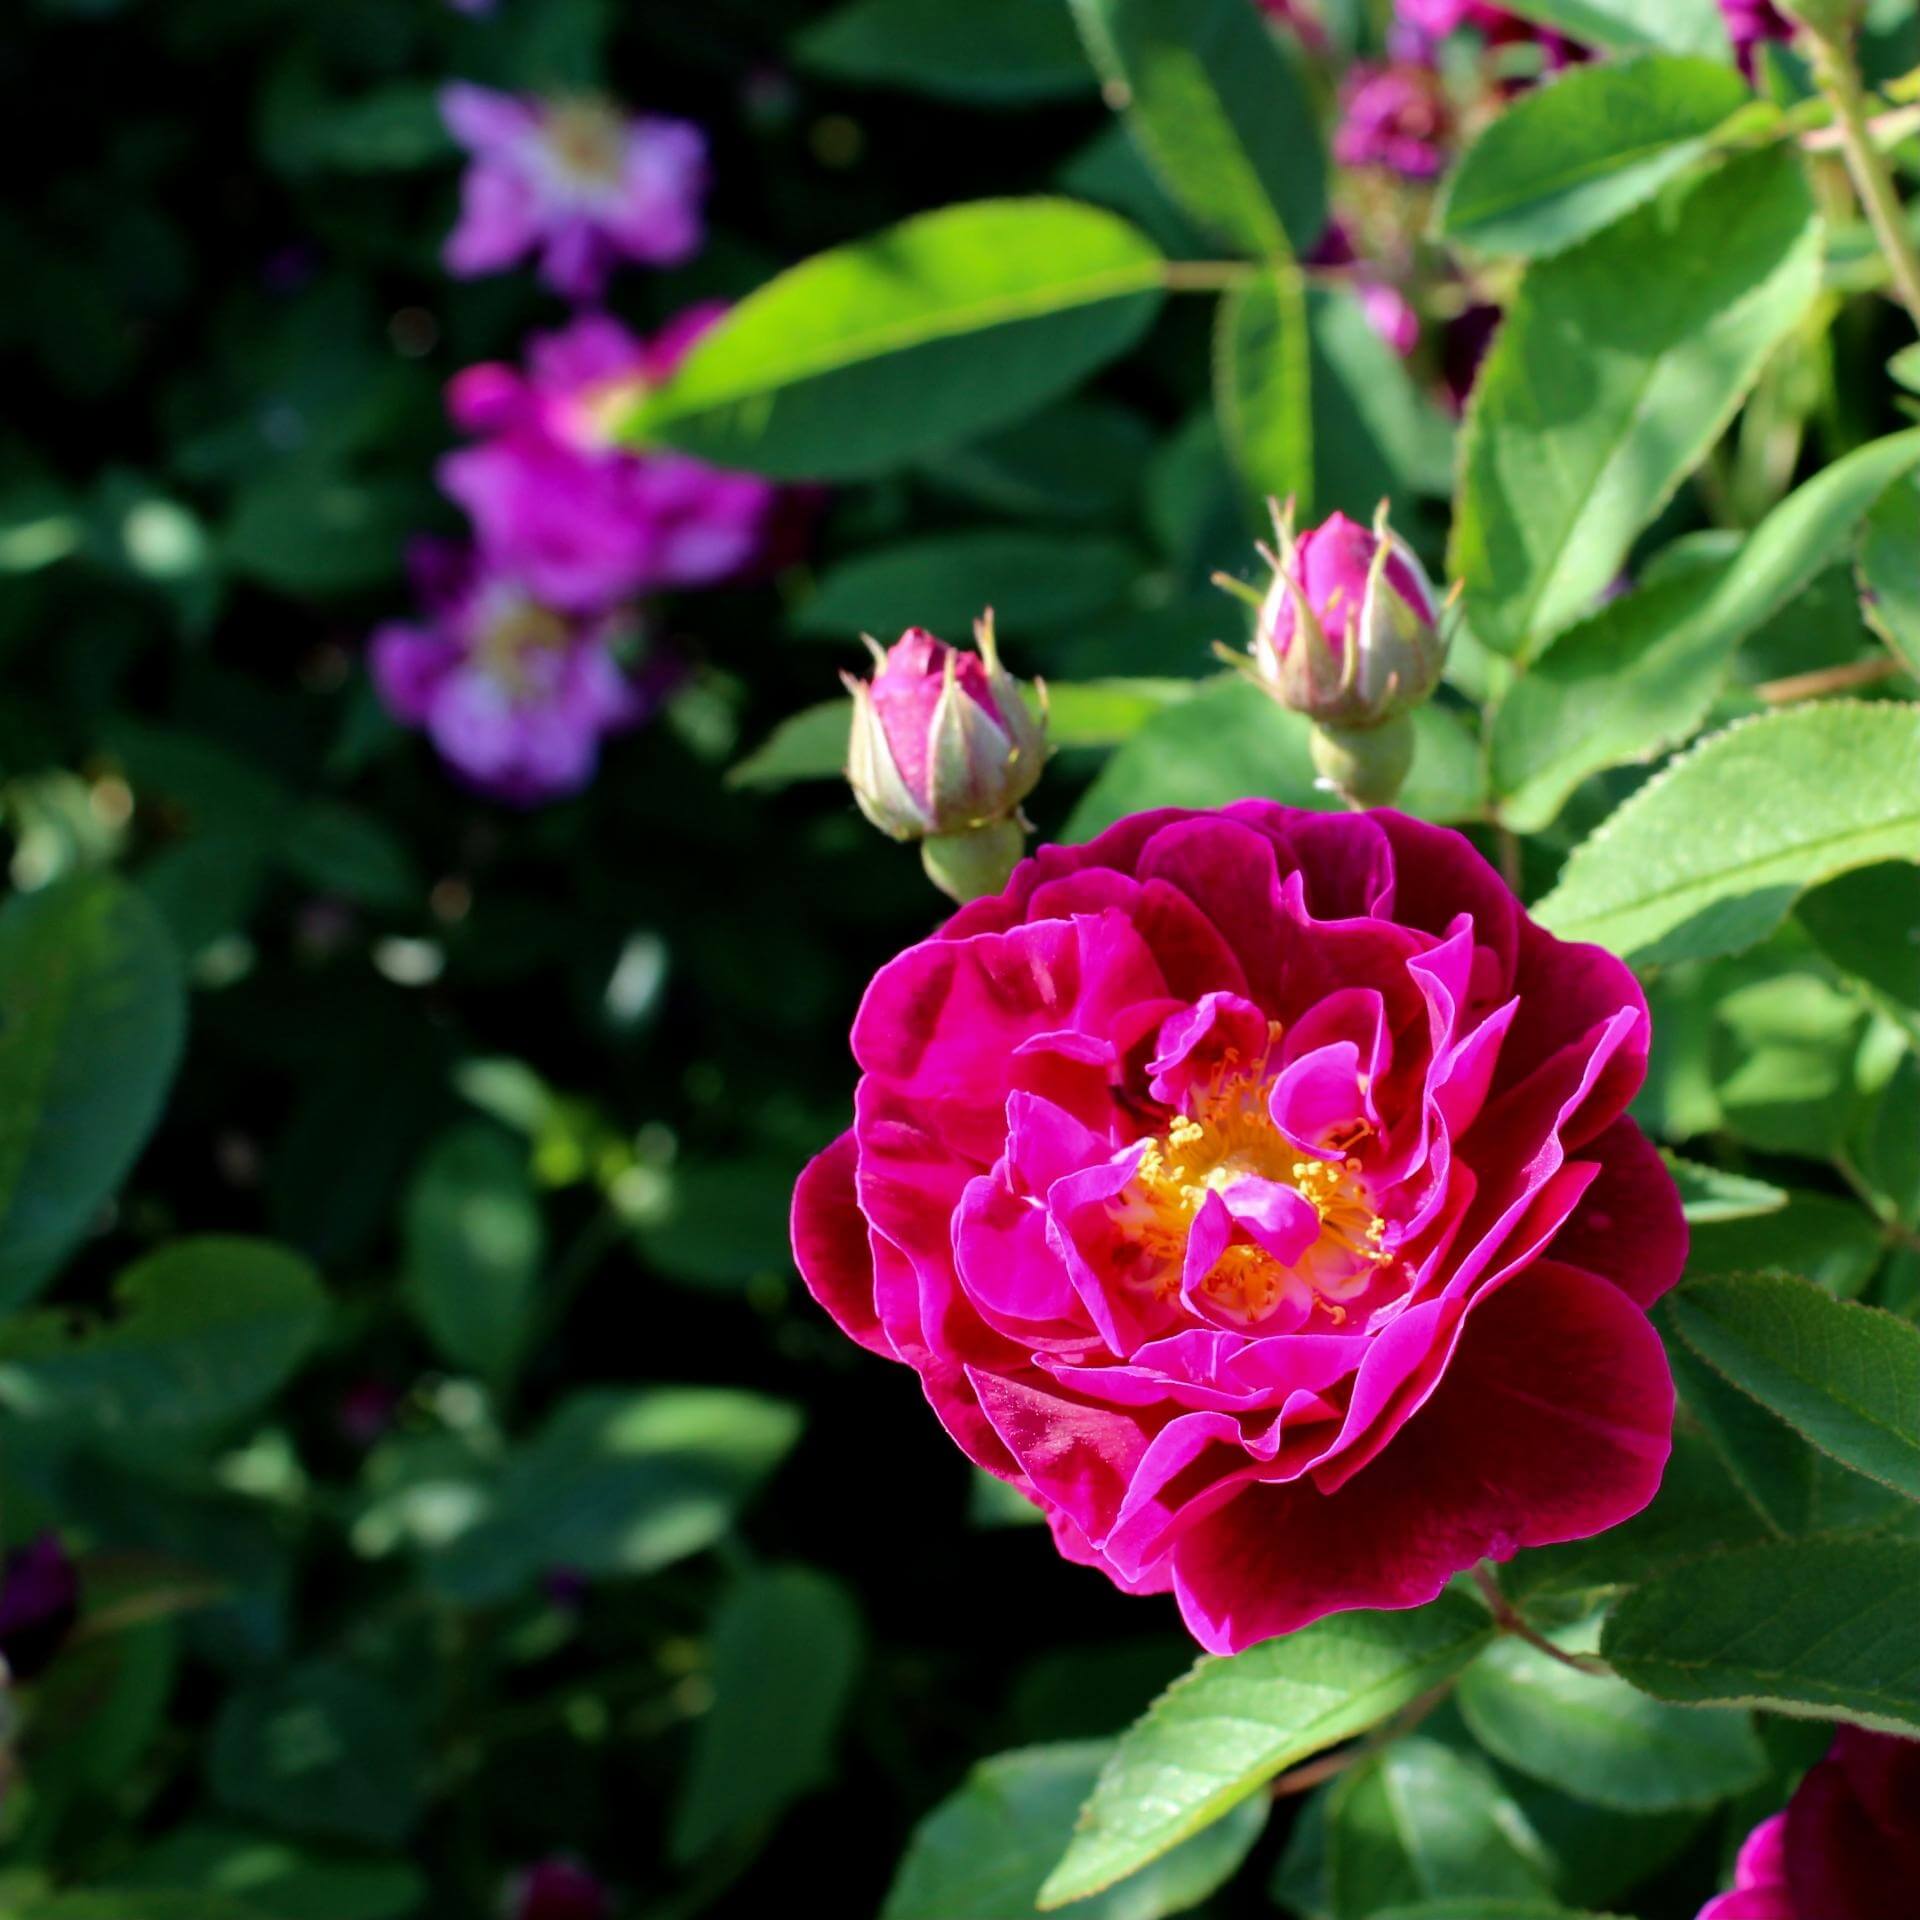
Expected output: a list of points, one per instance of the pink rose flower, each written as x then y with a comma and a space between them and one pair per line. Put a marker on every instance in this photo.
1253, 1190
515, 694
580, 518
1396, 117
575, 181
1848, 1845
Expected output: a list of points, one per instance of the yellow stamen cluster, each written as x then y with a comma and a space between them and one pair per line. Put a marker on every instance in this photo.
507, 643
1227, 1137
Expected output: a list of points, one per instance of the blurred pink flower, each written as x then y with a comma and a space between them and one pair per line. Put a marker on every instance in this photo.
574, 180
1751, 23
39, 1603
558, 1889
1394, 116
558, 502
1435, 19
515, 694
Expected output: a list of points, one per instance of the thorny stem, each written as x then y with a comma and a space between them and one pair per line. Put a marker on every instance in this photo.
1824, 680
1509, 1621
1839, 78
1329, 1766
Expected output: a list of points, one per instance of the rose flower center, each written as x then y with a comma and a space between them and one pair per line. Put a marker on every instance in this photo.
1226, 1140
587, 142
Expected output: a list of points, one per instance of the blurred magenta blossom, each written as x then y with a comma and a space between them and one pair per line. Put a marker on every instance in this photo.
1388, 310
574, 180
515, 693
39, 1603
558, 1889
1750, 23
557, 502
1435, 19
1395, 116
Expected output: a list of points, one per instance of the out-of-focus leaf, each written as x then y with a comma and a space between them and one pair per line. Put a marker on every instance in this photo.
722, 1221
204, 1330
1824, 1630
1683, 26
1890, 570
339, 849
984, 1851
997, 52
1218, 1735
619, 1483
1217, 104
92, 1015
309, 527
1619, 364
1784, 1063
1572, 156
784, 1653
1600, 1739
1231, 742
475, 1242
931, 333
323, 1749
1418, 1820
1076, 460
1868, 925
945, 582
1834, 1243
275, 1878
1796, 797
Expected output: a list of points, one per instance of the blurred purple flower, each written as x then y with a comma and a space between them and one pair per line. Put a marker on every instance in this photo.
575, 180
582, 520
39, 1602
366, 1410
1389, 312
514, 693
558, 1889
1394, 116
1432, 20
1750, 23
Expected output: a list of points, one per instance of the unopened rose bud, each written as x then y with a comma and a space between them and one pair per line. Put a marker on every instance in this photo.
557, 1889
1348, 635
943, 750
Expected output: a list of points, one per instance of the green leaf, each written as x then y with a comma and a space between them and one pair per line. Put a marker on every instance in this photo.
203, 1331
808, 745
1681, 26
1794, 798
1571, 157
324, 1749
1076, 460
1890, 570
339, 849
277, 1880
311, 526
1712, 1197
92, 1015
1642, 674
1823, 1630
997, 52
1417, 1821
1231, 742
928, 334
1832, 1242
1229, 1726
1868, 925
1619, 365
1263, 385
984, 1851
619, 1484
1845, 1376
1602, 1741
1216, 101
784, 1652
945, 581
475, 1244
159, 1904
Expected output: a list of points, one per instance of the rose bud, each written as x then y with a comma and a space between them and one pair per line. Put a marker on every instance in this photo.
39, 1602
943, 750
557, 1889
1348, 635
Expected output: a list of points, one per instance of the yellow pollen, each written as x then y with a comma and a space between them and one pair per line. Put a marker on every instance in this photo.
587, 140
1227, 1137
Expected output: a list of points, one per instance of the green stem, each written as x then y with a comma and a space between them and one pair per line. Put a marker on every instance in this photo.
1839, 78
